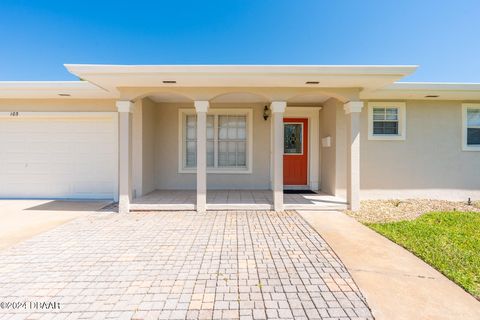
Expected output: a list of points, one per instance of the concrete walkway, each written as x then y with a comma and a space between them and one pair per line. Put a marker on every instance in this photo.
23, 219
396, 284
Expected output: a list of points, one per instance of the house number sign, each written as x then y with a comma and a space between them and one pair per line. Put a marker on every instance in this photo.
14, 114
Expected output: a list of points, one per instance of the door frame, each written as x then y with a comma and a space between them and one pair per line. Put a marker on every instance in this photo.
312, 114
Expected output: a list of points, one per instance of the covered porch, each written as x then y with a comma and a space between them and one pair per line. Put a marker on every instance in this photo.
172, 200
177, 176
219, 132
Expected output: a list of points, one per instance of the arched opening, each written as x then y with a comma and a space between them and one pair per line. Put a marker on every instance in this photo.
240, 97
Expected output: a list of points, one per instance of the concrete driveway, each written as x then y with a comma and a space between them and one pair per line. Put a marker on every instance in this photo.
178, 265
22, 219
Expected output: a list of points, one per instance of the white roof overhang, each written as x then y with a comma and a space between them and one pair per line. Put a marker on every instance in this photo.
112, 77
425, 91
52, 90
106, 81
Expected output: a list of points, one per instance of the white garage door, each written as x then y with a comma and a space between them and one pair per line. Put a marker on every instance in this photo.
58, 155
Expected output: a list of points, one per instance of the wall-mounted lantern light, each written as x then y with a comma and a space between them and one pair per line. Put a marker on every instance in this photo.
266, 113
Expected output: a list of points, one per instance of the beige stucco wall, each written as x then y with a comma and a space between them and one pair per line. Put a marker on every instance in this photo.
137, 148
327, 163
166, 160
149, 126
57, 105
430, 163
333, 162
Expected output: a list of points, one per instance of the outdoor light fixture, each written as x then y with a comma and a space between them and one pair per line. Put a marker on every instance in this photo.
266, 113
169, 81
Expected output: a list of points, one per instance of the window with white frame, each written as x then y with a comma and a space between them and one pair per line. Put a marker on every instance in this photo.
386, 121
228, 140
471, 127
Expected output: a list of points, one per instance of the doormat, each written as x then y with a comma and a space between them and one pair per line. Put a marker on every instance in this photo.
299, 192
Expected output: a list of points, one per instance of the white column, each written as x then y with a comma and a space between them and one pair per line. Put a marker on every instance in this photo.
201, 108
125, 109
352, 110
277, 108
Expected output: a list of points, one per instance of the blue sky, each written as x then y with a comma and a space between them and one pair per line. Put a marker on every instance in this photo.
38, 37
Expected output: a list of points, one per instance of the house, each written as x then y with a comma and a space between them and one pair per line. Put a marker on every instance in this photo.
169, 137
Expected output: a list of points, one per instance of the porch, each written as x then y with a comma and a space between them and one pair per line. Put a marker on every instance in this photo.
171, 149
234, 200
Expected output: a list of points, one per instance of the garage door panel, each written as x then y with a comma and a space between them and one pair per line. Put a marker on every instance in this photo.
98, 188
61, 157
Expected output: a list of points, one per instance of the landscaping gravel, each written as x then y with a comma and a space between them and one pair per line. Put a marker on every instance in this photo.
397, 210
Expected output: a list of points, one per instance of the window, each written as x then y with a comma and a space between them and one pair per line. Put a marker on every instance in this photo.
190, 142
386, 121
471, 127
228, 141
232, 141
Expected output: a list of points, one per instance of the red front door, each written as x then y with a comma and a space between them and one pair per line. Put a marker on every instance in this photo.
295, 151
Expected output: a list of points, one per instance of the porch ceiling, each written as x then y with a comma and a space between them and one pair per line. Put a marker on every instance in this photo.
241, 97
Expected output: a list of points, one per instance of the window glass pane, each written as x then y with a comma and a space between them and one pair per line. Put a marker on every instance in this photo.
231, 140
191, 127
232, 159
191, 121
223, 121
391, 114
232, 133
222, 154
473, 136
210, 154
473, 117
222, 133
241, 154
292, 139
378, 113
231, 144
191, 133
242, 121
385, 127
191, 154
210, 129
242, 134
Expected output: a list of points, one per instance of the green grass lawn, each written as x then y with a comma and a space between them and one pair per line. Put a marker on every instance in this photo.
448, 241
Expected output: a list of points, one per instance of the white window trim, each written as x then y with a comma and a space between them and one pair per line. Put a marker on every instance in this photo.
182, 113
465, 107
402, 120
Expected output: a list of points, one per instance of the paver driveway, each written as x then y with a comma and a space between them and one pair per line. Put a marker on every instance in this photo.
176, 265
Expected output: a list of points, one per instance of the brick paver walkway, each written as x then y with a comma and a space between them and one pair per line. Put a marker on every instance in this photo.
221, 265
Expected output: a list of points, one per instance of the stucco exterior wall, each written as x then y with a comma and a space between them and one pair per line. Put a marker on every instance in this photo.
333, 163
327, 163
137, 147
430, 163
57, 105
166, 136
149, 127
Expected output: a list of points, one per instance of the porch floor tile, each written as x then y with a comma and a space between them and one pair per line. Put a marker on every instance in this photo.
235, 199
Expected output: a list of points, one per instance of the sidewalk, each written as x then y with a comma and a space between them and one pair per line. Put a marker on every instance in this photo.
396, 284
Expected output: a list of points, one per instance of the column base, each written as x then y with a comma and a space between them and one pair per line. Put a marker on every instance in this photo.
124, 204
